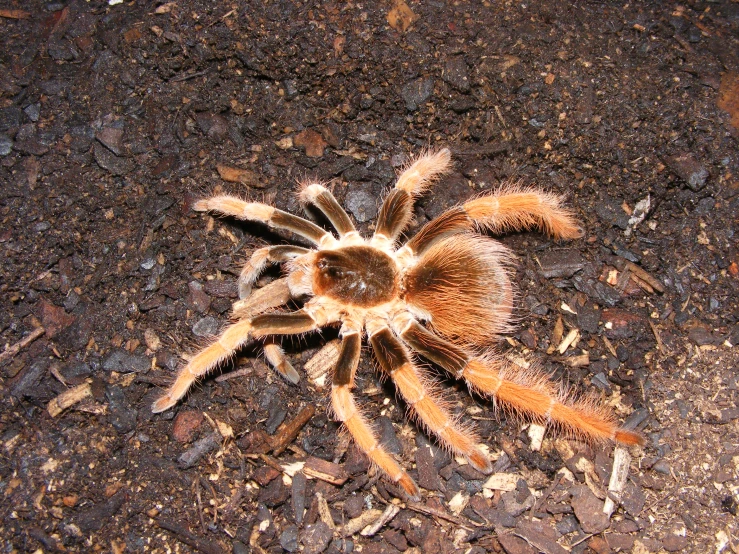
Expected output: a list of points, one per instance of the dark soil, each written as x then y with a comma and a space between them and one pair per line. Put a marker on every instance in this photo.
113, 119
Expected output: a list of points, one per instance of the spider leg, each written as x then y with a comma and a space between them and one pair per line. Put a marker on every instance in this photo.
525, 392
514, 208
276, 357
274, 218
397, 209
428, 406
321, 198
232, 338
346, 411
259, 260
269, 296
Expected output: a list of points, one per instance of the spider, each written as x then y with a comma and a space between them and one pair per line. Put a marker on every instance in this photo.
444, 296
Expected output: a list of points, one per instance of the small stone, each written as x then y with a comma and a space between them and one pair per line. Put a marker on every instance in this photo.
701, 335
456, 73
6, 145
362, 205
185, 424
197, 298
689, 169
213, 125
120, 414
205, 327
354, 506
111, 138
315, 538
675, 543
416, 93
289, 538
115, 165
561, 263
33, 111
122, 361
312, 142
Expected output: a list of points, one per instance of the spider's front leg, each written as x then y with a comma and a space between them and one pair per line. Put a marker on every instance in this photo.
234, 337
259, 260
513, 209
346, 411
418, 392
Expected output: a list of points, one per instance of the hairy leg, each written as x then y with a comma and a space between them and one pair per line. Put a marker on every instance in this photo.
232, 338
321, 198
259, 260
524, 391
418, 392
274, 218
397, 209
513, 208
346, 411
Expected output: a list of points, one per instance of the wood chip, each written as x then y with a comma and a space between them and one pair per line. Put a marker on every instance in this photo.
619, 476
536, 434
10, 353
502, 482
69, 398
325, 512
238, 175
319, 365
559, 329
390, 512
569, 340
325, 471
360, 522
287, 432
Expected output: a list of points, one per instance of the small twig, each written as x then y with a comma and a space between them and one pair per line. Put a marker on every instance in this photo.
586, 537
288, 432
232, 374
420, 508
545, 496
188, 538
196, 488
11, 352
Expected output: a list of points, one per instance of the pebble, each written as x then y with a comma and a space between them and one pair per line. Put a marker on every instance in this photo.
122, 361
120, 414
416, 93
205, 327
362, 205
456, 73
185, 424
689, 169
115, 165
289, 538
33, 111
6, 145
111, 138
197, 298
560, 263
315, 538
354, 506
213, 125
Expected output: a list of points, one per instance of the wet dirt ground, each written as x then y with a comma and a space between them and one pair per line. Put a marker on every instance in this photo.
114, 119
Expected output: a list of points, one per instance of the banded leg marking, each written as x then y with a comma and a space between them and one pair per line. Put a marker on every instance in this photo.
321, 198
395, 361
346, 411
254, 211
233, 337
525, 391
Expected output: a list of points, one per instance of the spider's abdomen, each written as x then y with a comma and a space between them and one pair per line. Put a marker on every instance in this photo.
462, 283
357, 275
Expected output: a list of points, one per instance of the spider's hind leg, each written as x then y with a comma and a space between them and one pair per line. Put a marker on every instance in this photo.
425, 403
524, 391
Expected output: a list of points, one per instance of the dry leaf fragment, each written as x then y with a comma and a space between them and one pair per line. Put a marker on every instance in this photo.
15, 14
312, 142
238, 175
401, 17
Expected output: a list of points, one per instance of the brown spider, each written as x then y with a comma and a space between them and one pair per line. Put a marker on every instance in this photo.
445, 295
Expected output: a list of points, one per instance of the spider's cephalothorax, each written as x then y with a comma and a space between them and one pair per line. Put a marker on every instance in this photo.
445, 295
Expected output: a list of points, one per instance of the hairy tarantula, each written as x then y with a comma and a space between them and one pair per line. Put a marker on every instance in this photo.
445, 296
